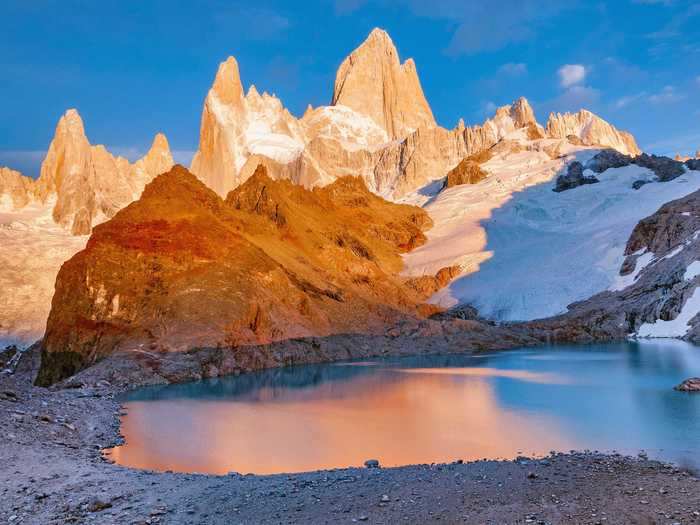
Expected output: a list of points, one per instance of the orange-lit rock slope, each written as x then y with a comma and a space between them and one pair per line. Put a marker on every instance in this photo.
182, 268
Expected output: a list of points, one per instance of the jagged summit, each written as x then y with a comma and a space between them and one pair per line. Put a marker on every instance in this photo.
373, 82
88, 182
235, 126
591, 130
522, 113
227, 83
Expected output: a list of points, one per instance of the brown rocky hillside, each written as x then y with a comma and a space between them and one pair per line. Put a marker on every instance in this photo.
181, 268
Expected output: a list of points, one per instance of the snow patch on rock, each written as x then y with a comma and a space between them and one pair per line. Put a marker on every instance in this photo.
677, 327
623, 281
692, 271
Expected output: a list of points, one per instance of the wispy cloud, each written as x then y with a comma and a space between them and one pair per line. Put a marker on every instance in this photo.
668, 95
685, 144
571, 74
627, 100
513, 69
488, 108
578, 97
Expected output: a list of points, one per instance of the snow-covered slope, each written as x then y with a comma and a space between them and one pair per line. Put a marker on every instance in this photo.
527, 252
33, 249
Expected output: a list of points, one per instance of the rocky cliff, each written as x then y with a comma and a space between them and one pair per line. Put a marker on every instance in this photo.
591, 130
235, 126
16, 188
181, 268
379, 127
84, 183
373, 82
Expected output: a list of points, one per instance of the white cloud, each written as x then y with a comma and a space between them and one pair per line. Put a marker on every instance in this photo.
668, 95
513, 68
571, 74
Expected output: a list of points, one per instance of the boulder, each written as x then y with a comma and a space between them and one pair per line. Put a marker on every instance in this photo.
466, 172
606, 159
689, 385
574, 177
664, 168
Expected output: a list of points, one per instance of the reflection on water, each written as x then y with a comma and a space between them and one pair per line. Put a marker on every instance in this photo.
421, 410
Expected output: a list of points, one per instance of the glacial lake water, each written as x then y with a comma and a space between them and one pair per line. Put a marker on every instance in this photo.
616, 397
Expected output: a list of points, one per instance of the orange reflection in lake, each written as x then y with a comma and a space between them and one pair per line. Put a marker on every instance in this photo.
420, 416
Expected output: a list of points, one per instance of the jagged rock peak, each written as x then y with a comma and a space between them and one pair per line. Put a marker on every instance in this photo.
89, 183
66, 167
159, 151
227, 84
18, 189
521, 112
159, 159
591, 130
373, 82
236, 126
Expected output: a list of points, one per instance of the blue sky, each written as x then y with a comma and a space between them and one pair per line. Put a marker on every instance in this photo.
135, 67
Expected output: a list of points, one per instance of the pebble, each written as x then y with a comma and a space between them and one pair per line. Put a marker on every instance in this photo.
372, 463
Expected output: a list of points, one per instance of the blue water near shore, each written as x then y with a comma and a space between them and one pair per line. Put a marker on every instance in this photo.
613, 397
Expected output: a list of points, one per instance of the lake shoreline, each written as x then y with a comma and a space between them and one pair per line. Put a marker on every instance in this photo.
54, 472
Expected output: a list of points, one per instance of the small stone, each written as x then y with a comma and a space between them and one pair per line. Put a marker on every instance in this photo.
97, 504
385, 498
532, 475
362, 518
372, 463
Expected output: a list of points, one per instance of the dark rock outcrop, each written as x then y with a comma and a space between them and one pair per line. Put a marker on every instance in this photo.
693, 164
465, 312
689, 385
606, 159
665, 168
574, 177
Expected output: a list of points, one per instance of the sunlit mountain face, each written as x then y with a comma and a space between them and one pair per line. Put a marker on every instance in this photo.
395, 262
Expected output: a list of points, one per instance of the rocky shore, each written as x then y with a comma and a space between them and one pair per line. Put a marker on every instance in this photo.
53, 472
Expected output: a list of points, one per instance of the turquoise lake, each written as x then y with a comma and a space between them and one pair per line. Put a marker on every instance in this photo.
614, 397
